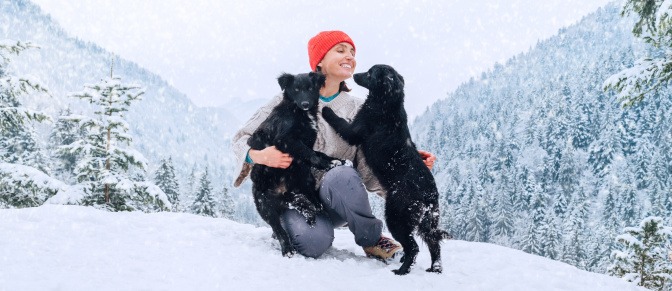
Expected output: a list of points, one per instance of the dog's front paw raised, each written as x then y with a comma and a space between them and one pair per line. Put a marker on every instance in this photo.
328, 113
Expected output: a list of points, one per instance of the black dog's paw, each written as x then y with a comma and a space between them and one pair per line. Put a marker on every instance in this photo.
435, 269
328, 113
346, 163
311, 220
289, 252
321, 163
311, 217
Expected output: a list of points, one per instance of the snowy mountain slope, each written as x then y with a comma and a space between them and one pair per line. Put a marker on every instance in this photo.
165, 123
56, 247
536, 156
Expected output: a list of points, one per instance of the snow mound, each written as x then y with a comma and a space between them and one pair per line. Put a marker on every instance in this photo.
66, 247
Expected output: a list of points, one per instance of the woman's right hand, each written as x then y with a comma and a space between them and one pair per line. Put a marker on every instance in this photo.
271, 157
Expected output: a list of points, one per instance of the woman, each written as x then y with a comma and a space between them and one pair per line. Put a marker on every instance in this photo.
341, 189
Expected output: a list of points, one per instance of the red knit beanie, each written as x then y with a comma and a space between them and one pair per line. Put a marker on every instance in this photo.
319, 45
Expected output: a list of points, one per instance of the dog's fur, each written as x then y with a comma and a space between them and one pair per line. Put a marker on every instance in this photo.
291, 128
380, 127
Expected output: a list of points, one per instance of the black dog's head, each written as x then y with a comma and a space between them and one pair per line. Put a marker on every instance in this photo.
381, 80
302, 89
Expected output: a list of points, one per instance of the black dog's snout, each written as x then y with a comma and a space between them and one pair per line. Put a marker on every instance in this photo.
305, 105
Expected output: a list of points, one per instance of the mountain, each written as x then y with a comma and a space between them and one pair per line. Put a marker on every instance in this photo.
81, 248
164, 123
534, 154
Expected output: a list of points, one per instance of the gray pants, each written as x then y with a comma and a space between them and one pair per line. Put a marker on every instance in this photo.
347, 202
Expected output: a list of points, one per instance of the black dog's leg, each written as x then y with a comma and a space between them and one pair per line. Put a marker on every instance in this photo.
404, 236
401, 221
268, 206
347, 131
299, 202
432, 235
298, 150
258, 140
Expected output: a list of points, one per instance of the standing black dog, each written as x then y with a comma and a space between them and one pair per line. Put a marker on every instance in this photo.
381, 130
291, 128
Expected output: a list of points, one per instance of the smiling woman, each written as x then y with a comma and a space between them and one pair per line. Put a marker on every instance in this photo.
336, 62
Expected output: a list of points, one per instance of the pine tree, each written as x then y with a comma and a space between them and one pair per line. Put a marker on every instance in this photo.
653, 72
503, 227
108, 168
533, 242
643, 258
227, 204
552, 242
204, 203
23, 165
18, 141
65, 132
166, 180
475, 228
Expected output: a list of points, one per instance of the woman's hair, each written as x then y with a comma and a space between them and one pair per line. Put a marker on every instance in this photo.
341, 87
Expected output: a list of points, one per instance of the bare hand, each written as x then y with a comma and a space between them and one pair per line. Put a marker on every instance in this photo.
428, 158
271, 157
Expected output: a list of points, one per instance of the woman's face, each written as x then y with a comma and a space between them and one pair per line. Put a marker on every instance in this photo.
339, 63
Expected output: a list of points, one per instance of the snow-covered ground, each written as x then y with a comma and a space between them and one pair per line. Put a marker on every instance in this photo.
56, 247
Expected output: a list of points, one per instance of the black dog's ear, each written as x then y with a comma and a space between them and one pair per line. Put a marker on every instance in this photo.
393, 81
389, 81
317, 78
285, 80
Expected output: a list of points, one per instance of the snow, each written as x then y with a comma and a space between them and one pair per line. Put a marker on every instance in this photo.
26, 175
59, 247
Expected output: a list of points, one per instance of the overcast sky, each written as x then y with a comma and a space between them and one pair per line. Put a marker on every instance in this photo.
218, 52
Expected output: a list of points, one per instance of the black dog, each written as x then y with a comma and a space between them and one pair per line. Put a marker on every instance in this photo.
291, 128
381, 130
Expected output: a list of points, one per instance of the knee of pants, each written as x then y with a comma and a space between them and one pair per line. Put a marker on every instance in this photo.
310, 241
344, 180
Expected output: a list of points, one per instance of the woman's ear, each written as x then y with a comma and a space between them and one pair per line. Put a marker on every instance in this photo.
285, 80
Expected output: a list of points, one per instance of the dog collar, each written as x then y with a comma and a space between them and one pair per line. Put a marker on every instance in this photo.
332, 97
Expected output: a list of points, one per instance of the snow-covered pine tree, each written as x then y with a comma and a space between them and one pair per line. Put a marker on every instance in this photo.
65, 132
18, 141
21, 156
643, 258
166, 180
204, 203
503, 223
650, 73
227, 207
106, 161
533, 242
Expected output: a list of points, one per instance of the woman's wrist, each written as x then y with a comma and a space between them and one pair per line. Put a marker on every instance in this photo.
248, 159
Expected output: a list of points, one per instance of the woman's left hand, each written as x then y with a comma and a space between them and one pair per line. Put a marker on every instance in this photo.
428, 158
